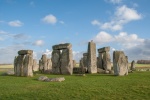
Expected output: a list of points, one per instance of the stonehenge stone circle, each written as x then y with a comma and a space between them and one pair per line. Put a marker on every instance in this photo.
23, 63
35, 66
104, 61
62, 62
91, 58
120, 63
45, 64
133, 65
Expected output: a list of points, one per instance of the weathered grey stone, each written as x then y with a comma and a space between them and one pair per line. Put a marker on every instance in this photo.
120, 63
56, 64
35, 66
44, 62
100, 61
24, 52
104, 49
59, 79
74, 63
41, 66
42, 78
49, 65
133, 65
27, 65
91, 59
99, 70
15, 65
19, 67
66, 62
62, 46
106, 61
85, 63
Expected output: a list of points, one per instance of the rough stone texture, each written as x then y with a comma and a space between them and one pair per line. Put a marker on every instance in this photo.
24, 52
62, 62
44, 62
99, 70
59, 79
42, 78
133, 65
85, 63
104, 49
41, 66
66, 62
100, 61
23, 63
92, 60
62, 46
106, 61
49, 65
35, 66
74, 63
56, 62
27, 65
120, 63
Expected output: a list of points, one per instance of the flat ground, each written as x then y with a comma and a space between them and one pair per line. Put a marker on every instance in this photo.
135, 86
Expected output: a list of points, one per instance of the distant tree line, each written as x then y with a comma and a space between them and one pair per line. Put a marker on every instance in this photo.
143, 62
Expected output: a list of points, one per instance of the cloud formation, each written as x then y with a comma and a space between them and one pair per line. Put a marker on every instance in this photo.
122, 16
49, 19
15, 23
38, 43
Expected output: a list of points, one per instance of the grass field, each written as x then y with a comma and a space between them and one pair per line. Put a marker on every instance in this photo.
135, 86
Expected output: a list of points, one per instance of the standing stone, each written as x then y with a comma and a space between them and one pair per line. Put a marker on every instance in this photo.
133, 65
41, 66
49, 65
28, 63
23, 63
104, 60
62, 59
107, 61
85, 59
66, 62
56, 61
35, 66
92, 60
44, 62
120, 63
74, 63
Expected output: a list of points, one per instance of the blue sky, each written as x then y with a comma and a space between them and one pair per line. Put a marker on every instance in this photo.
38, 25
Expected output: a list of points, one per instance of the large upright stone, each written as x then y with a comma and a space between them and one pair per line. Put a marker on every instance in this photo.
74, 63
91, 59
85, 63
56, 64
104, 60
133, 65
41, 68
44, 62
23, 63
49, 65
62, 59
120, 63
28, 63
35, 66
66, 61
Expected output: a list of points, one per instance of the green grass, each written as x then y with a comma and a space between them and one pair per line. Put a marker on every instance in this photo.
135, 86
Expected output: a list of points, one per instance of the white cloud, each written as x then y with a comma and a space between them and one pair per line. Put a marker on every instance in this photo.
38, 43
128, 41
50, 19
77, 55
95, 22
15, 23
61, 22
48, 53
114, 1
102, 37
122, 15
